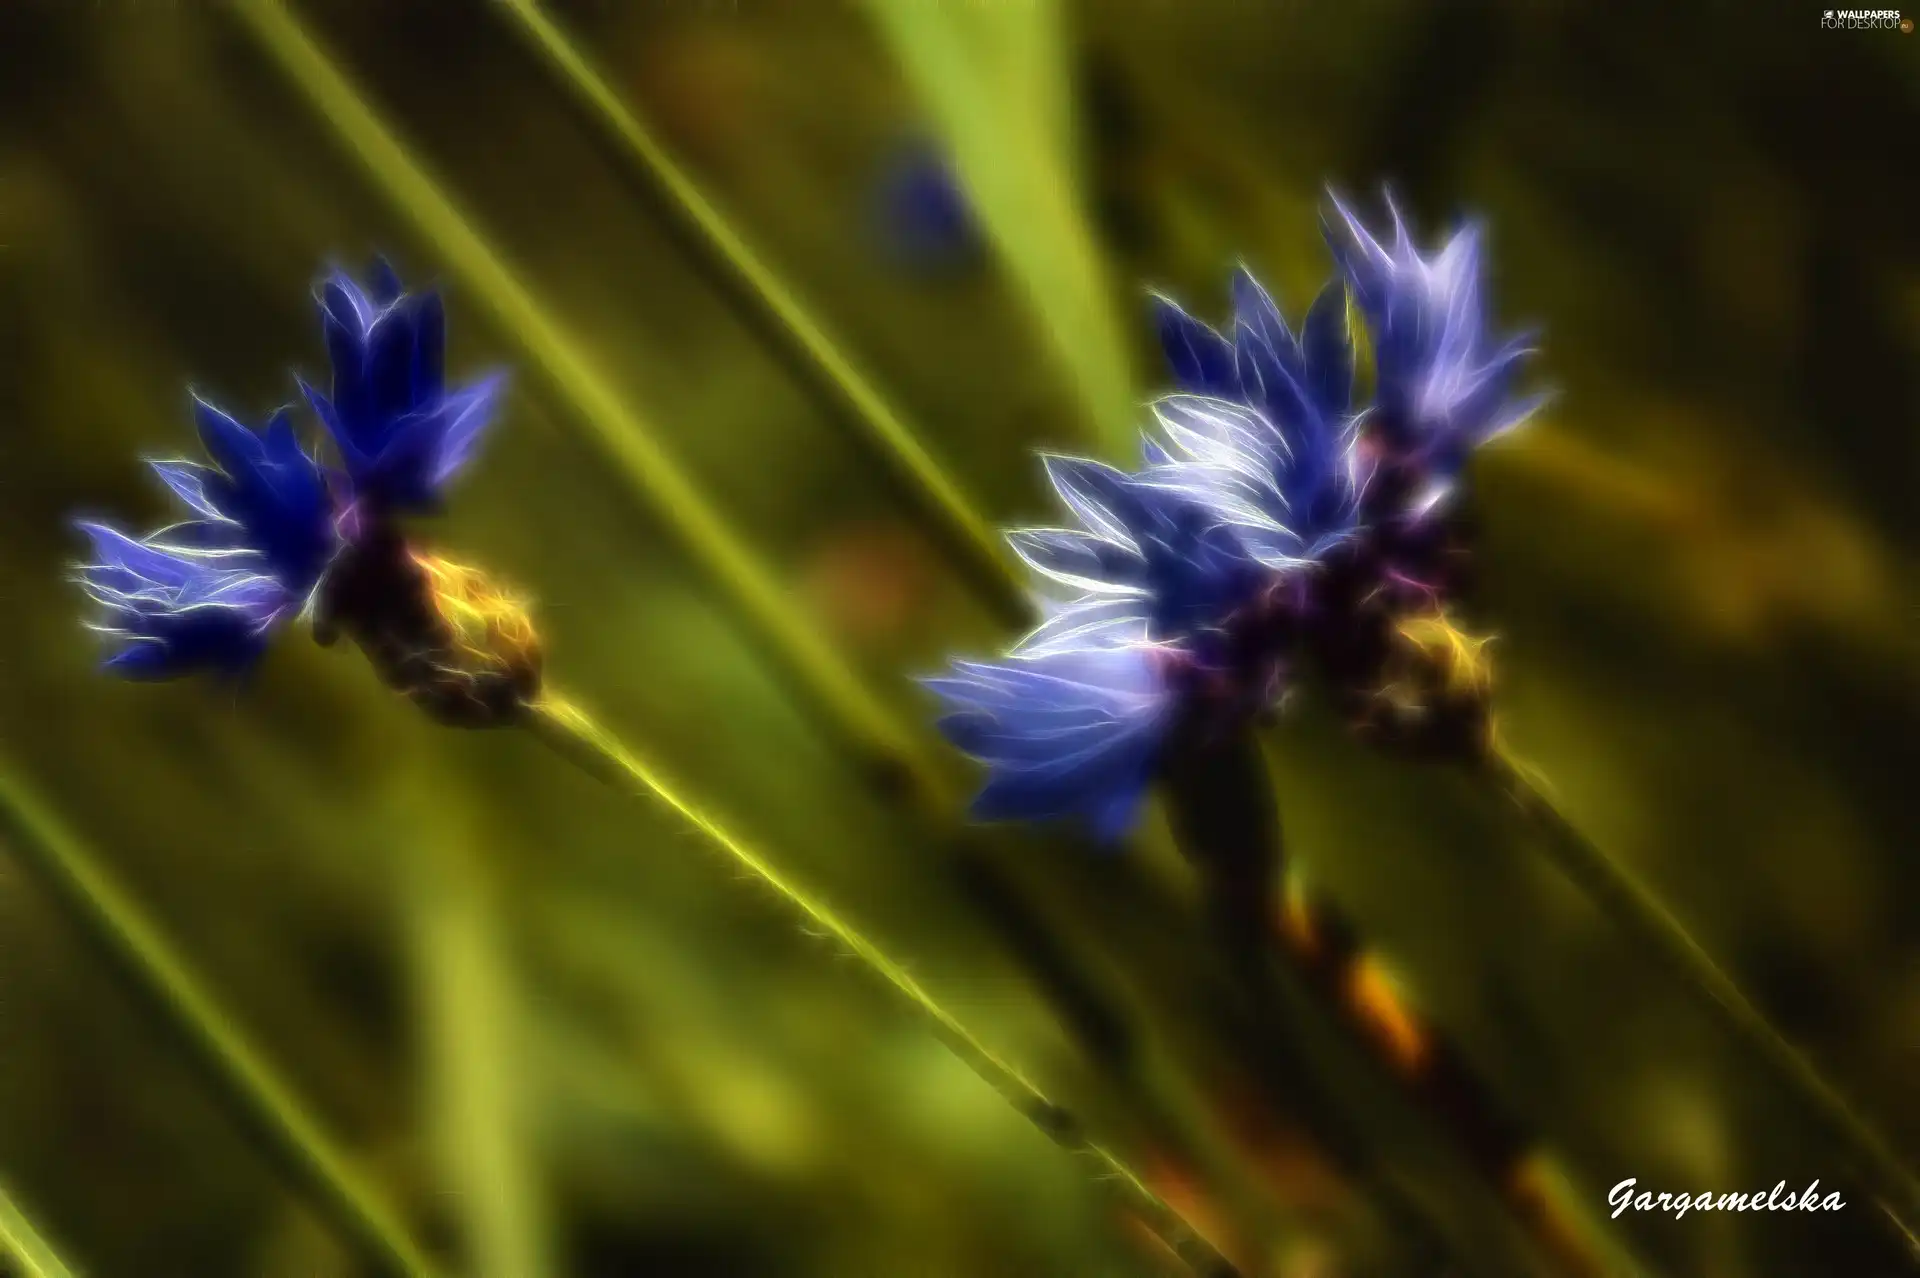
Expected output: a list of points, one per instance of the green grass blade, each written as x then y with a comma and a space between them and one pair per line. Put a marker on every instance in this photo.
28, 1249
778, 315
573, 735
237, 1075
1634, 907
473, 1052
994, 77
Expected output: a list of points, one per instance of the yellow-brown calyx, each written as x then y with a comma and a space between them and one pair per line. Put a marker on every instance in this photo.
1436, 690
483, 667
1459, 659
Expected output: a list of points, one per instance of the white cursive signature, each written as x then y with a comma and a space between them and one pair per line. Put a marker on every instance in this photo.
1621, 1197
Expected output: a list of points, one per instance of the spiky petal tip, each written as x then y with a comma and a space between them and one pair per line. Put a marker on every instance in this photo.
1444, 382
207, 593
1263, 431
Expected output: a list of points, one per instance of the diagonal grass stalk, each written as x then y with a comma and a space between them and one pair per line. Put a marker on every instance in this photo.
777, 315
269, 1111
995, 78
24, 1246
892, 757
476, 1068
1633, 907
572, 734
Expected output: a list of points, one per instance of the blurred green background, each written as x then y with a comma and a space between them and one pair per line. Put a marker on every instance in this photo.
568, 1038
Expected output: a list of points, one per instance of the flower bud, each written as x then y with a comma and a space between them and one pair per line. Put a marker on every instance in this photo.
441, 633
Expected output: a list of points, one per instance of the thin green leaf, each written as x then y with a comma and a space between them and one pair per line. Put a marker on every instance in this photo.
994, 78
473, 1043
25, 1245
577, 738
110, 922
1620, 894
794, 330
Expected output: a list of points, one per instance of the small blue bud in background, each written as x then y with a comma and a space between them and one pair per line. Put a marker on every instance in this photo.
926, 224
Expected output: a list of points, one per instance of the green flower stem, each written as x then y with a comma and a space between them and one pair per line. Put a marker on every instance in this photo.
776, 314
237, 1075
1635, 909
31, 1253
580, 741
891, 754
1225, 821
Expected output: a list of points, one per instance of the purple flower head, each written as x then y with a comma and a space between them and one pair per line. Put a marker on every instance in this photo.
1443, 382
206, 594
401, 434
1166, 611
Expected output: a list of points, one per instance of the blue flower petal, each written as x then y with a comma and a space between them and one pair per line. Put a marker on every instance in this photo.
466, 416
386, 283
207, 593
232, 446
922, 213
1201, 359
188, 481
401, 434
1098, 621
1082, 560
1158, 541
1077, 734
1443, 382
429, 348
1096, 493
1273, 455
1327, 351
173, 607
1255, 309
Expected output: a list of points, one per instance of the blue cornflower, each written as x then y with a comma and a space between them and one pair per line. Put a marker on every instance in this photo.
1190, 579
1443, 383
1168, 613
400, 433
206, 594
